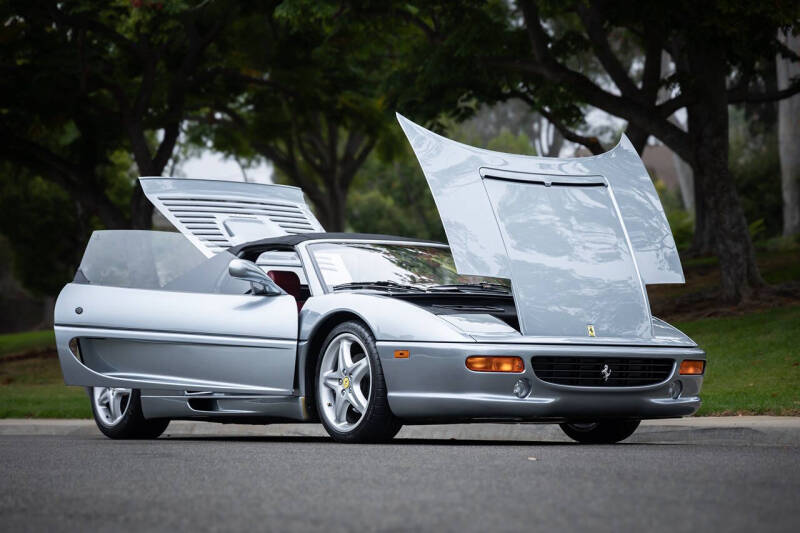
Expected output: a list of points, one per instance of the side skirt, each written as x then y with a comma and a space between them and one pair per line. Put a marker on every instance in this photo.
211, 405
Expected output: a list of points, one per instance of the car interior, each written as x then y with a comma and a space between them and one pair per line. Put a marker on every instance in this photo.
286, 270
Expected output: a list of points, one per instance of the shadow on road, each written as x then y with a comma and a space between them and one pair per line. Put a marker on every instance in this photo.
397, 442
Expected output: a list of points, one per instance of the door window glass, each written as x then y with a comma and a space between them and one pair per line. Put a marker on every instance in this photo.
138, 259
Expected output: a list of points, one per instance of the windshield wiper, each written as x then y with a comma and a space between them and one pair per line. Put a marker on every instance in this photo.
383, 285
472, 287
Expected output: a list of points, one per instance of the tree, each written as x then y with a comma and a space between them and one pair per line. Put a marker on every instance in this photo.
83, 79
390, 195
542, 51
306, 96
789, 137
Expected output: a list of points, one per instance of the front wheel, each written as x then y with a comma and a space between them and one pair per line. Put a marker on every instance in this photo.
351, 392
118, 414
601, 432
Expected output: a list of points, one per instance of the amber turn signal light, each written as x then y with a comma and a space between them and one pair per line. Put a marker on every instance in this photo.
401, 354
480, 363
692, 367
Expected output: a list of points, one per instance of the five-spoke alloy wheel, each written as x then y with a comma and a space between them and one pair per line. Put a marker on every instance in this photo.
118, 414
350, 389
111, 403
344, 382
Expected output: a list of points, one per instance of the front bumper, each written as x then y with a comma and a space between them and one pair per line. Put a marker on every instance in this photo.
433, 384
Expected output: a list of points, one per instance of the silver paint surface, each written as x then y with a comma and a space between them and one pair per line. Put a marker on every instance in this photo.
177, 339
569, 258
200, 337
453, 171
480, 324
387, 318
240, 406
215, 215
434, 383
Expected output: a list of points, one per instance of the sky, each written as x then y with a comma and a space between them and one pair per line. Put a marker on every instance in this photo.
212, 165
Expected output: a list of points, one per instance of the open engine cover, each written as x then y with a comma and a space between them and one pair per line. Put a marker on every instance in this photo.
579, 238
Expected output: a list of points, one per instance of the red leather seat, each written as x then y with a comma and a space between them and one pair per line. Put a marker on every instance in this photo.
290, 282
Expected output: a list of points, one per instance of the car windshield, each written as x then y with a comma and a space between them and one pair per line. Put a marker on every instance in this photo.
395, 267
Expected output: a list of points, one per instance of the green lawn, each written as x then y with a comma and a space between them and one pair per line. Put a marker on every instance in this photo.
753, 368
13, 343
753, 362
34, 388
44, 401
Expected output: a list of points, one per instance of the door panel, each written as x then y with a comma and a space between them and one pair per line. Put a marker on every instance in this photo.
177, 340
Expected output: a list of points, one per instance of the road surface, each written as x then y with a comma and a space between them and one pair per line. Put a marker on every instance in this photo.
512, 478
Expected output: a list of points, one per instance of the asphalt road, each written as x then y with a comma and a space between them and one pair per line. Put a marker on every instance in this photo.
271, 483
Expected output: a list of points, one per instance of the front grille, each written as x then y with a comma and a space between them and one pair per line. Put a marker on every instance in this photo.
589, 371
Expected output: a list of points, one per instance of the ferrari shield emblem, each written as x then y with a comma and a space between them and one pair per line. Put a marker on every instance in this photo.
590, 330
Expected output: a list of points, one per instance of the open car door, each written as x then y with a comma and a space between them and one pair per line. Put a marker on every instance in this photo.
579, 238
148, 310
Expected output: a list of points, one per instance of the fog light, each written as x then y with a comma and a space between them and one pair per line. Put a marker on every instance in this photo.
522, 388
675, 389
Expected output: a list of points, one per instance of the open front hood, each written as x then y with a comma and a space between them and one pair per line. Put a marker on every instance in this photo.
215, 215
578, 238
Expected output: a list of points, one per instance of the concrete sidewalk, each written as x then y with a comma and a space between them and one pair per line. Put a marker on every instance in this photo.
731, 430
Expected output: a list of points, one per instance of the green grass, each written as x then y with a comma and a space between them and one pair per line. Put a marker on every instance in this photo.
34, 388
753, 362
753, 368
14, 343
43, 401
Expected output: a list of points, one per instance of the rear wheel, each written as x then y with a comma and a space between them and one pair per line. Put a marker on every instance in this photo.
118, 414
351, 392
601, 432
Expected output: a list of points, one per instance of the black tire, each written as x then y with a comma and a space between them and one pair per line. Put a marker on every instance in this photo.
133, 424
601, 432
378, 423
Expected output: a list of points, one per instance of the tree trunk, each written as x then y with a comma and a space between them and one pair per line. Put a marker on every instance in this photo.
789, 139
708, 130
48, 311
703, 238
141, 209
332, 213
337, 212
685, 180
638, 137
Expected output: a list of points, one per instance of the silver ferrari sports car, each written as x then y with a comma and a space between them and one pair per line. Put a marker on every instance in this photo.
537, 311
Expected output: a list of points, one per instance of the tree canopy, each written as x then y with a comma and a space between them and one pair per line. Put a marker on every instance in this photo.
641, 62
95, 93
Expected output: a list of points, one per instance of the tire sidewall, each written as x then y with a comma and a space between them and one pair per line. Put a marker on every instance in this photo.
604, 432
377, 400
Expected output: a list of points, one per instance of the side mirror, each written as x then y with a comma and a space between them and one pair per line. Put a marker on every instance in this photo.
248, 271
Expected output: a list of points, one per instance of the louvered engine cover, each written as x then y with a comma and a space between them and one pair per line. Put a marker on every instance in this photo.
215, 215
